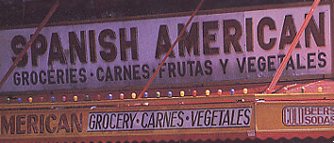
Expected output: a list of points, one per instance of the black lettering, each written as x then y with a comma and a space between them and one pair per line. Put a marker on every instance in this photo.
92, 46
98, 121
271, 63
63, 123
82, 75
41, 123
180, 117
318, 33
129, 44
311, 61
20, 121
232, 39
144, 116
261, 63
288, 32
322, 60
109, 75
146, 71
249, 35
232, 118
17, 78
299, 64
48, 123
270, 23
42, 77
247, 115
251, 64
17, 45
226, 118
78, 47
208, 38
33, 77
240, 114
7, 125
163, 42
105, 123
25, 78
223, 64
77, 122
105, 37
208, 67
189, 40
38, 48
242, 65
32, 121
92, 121
171, 70
118, 73
56, 52
113, 126
207, 118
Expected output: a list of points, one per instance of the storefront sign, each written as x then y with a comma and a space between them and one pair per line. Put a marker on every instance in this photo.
78, 120
308, 116
42, 123
170, 119
295, 116
218, 47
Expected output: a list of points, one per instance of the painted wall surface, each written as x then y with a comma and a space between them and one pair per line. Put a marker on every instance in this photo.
219, 47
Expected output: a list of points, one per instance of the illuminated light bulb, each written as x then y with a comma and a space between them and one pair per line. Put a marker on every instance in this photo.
19, 100
220, 92
110, 96
87, 97
194, 93
133, 95
53, 99
75, 98
63, 98
207, 92
158, 94
245, 91
145, 94
285, 89
8, 99
170, 94
121, 96
145, 104
302, 89
320, 89
41, 99
30, 99
182, 93
232, 91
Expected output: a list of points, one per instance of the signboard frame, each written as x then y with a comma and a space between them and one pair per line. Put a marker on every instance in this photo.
135, 86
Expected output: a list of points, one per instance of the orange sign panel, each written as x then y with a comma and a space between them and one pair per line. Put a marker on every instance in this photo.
93, 121
294, 118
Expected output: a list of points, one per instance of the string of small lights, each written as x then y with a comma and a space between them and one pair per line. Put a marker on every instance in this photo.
133, 95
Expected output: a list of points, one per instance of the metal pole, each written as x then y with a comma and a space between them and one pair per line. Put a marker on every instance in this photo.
292, 47
170, 49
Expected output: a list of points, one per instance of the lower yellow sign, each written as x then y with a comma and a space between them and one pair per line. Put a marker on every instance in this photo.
72, 121
41, 123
